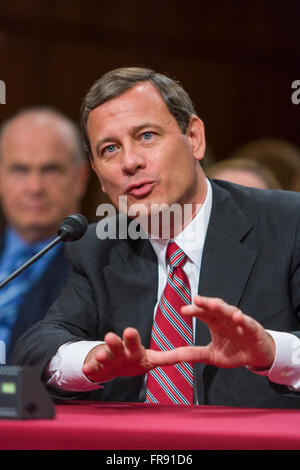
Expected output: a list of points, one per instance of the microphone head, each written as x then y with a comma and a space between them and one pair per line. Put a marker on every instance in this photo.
72, 227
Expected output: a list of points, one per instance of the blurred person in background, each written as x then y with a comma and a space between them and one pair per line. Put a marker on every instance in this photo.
245, 172
43, 176
279, 156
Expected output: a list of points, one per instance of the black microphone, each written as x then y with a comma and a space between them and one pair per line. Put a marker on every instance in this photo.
72, 228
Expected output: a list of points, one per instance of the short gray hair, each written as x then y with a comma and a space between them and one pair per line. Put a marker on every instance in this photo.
116, 82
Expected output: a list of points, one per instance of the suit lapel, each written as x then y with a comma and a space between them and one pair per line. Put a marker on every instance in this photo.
227, 259
133, 279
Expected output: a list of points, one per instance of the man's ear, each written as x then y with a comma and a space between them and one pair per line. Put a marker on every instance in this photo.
196, 134
91, 160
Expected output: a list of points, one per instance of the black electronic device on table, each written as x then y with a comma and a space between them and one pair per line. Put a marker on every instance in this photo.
23, 395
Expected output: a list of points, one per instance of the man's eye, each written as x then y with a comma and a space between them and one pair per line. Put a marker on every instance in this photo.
109, 149
147, 135
18, 170
52, 169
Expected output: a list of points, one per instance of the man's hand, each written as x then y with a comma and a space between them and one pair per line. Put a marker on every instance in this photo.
120, 357
236, 339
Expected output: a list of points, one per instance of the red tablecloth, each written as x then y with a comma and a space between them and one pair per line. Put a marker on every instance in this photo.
141, 426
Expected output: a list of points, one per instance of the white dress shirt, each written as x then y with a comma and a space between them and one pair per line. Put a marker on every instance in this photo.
65, 368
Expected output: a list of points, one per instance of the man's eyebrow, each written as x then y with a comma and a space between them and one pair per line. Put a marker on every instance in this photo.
50, 164
146, 125
134, 130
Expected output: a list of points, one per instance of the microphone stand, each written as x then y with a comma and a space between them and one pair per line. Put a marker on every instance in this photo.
32, 260
72, 228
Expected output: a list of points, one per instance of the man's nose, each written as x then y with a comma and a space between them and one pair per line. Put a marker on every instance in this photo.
132, 160
35, 182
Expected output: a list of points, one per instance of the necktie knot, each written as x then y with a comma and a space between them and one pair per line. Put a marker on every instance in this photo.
175, 256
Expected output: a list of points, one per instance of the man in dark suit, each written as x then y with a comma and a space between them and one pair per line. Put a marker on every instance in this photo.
43, 176
234, 247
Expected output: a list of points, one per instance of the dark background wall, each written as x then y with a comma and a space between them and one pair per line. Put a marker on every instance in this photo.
237, 59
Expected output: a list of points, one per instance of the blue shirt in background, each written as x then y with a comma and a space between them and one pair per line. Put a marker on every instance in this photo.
16, 251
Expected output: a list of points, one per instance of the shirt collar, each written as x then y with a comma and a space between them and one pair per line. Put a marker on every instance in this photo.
191, 239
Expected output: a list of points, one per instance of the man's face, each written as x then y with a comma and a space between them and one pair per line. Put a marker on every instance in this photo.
140, 152
39, 182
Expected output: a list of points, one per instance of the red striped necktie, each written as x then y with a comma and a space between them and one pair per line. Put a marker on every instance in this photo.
174, 383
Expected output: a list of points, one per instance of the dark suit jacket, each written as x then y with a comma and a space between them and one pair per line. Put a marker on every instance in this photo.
41, 296
251, 259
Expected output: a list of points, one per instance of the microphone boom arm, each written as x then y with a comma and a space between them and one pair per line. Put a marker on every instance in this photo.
72, 228
31, 260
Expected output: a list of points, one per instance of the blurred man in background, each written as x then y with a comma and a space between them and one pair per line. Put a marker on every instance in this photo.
245, 172
43, 176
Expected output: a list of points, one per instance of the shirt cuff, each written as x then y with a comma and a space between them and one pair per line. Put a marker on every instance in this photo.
285, 369
65, 368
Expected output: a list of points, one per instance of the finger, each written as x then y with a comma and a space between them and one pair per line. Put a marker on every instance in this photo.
91, 368
246, 325
191, 310
114, 348
207, 315
214, 305
206, 305
182, 354
132, 340
219, 316
104, 355
210, 309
